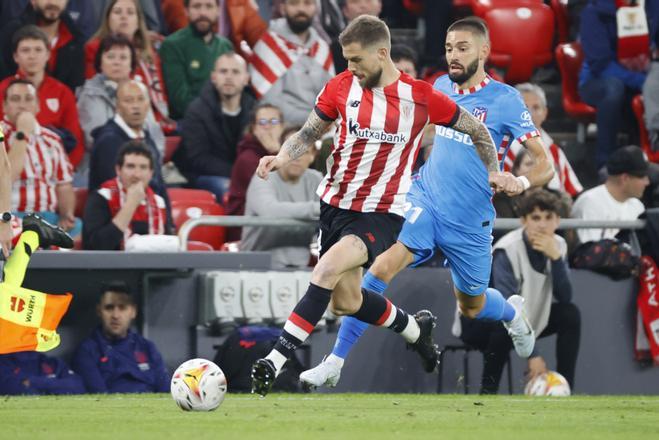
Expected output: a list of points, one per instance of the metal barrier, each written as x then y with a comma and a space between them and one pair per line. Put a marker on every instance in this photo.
499, 224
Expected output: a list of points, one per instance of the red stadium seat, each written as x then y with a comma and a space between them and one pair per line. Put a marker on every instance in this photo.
191, 194
569, 57
186, 208
81, 200
171, 145
521, 34
562, 19
639, 112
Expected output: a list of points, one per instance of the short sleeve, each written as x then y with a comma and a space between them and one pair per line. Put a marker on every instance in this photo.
326, 107
517, 119
442, 110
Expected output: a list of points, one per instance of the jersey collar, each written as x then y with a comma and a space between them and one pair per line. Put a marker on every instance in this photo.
473, 89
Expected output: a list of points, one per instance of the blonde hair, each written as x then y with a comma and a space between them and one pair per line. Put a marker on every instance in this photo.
140, 40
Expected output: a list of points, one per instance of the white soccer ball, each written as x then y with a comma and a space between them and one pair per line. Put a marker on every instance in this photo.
550, 383
198, 385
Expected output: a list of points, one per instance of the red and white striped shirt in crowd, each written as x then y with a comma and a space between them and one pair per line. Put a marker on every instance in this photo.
564, 178
46, 166
377, 140
273, 55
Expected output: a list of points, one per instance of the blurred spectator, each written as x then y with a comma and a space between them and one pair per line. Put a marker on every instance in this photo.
289, 192
213, 126
293, 88
405, 59
614, 66
618, 197
66, 41
349, 10
115, 359
238, 20
531, 262
564, 178
41, 171
33, 373
57, 104
115, 60
125, 205
154, 18
127, 124
651, 86
262, 138
126, 17
188, 55
82, 12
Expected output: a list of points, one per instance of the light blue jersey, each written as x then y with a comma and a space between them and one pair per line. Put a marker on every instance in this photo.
454, 177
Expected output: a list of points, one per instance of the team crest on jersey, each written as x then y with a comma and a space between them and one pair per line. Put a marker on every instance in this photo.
53, 104
480, 113
406, 110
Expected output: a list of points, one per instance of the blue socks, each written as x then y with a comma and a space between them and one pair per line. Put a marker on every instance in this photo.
496, 308
351, 328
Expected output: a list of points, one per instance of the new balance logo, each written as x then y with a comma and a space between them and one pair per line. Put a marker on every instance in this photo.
379, 135
354, 103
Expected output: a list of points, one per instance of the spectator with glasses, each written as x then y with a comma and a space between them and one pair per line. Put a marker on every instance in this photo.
262, 139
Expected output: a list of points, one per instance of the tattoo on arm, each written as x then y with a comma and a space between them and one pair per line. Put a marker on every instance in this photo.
481, 138
299, 143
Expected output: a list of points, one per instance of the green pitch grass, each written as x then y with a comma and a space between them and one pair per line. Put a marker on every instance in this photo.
337, 416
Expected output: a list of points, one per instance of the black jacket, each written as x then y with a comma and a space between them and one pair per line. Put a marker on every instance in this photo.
208, 148
69, 68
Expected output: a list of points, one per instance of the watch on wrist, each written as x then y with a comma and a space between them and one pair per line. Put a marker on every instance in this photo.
5, 217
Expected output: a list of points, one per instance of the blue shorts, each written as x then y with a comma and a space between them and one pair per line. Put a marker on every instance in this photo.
469, 255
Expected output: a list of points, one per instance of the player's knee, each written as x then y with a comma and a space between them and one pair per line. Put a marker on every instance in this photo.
325, 274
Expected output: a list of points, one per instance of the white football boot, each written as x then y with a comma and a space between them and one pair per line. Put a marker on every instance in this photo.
328, 373
520, 329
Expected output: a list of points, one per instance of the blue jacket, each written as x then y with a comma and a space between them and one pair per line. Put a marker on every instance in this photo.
45, 374
129, 365
599, 39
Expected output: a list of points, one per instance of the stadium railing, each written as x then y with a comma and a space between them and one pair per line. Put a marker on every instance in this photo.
504, 224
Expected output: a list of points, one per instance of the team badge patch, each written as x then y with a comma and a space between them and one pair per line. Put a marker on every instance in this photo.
53, 104
480, 113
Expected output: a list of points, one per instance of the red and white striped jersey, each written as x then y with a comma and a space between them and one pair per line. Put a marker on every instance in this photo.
377, 139
564, 178
46, 165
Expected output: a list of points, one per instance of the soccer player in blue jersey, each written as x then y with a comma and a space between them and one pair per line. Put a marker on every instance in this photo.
449, 205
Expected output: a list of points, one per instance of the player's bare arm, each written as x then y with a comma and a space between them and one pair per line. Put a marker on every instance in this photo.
480, 136
295, 146
543, 169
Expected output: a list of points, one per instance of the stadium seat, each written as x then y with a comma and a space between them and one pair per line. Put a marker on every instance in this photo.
569, 57
199, 246
186, 208
190, 194
465, 349
171, 145
639, 112
562, 19
81, 200
509, 21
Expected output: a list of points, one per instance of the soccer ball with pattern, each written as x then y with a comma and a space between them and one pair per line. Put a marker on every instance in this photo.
550, 383
198, 385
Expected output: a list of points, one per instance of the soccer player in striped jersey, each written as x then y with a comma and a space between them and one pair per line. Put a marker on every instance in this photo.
380, 114
449, 205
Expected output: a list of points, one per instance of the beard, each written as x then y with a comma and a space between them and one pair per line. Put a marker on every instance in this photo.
48, 15
202, 26
300, 23
371, 81
467, 73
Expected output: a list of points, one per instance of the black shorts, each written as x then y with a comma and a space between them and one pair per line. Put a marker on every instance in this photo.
377, 230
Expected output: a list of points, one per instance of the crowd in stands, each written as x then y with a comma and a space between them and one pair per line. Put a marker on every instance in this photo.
92, 93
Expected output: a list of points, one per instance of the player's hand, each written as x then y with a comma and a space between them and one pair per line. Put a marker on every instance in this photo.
266, 165
135, 193
506, 182
536, 367
5, 238
66, 221
546, 244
